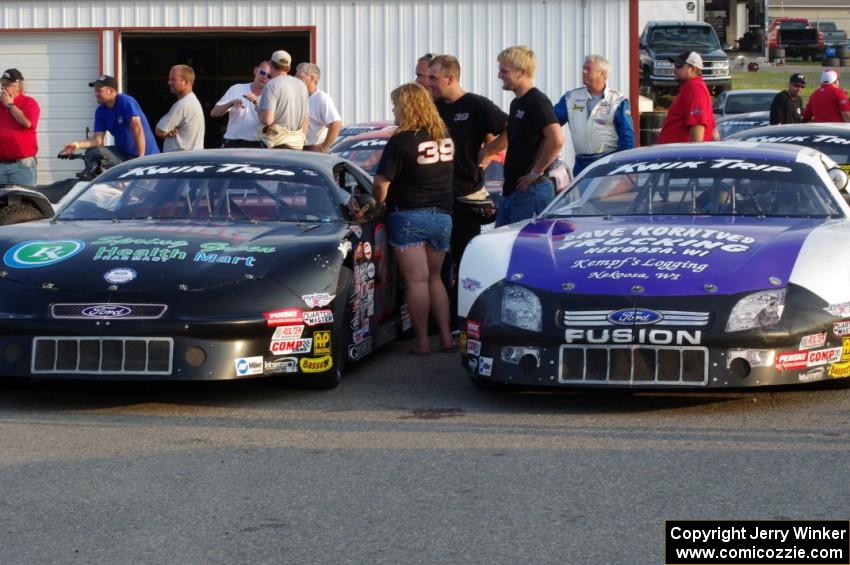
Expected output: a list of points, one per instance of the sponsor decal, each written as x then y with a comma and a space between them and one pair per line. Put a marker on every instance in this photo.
317, 300
248, 366
812, 341
287, 332
633, 335
840, 370
651, 239
792, 360
473, 328
229, 168
316, 364
318, 317
106, 311
283, 317
345, 248
811, 375
845, 349
358, 350
152, 254
823, 356
224, 247
203, 257
406, 324
288, 346
729, 164
841, 328
321, 343
485, 366
841, 310
119, 276
357, 231
629, 317
635, 317
470, 284
473, 347
283, 365
367, 250
472, 363
463, 342
359, 335
149, 241
33, 254
370, 270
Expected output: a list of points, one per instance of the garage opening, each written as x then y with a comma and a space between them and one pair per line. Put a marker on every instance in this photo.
220, 59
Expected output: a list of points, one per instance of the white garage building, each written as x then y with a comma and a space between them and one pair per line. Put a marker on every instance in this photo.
364, 48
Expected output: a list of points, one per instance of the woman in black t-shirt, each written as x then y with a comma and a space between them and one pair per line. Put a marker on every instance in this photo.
414, 178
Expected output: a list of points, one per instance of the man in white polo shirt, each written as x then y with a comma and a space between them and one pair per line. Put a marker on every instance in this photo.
325, 121
240, 104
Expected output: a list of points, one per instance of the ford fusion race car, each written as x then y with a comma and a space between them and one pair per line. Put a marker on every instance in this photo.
830, 138
675, 266
207, 265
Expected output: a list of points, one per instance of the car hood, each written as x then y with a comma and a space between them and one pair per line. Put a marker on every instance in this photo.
145, 256
655, 256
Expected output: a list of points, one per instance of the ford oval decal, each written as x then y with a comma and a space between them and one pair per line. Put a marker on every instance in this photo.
106, 311
635, 316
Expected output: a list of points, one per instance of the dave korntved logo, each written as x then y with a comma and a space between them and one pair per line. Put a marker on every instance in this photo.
32, 254
801, 542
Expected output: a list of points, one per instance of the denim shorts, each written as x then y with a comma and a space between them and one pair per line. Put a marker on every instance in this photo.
422, 225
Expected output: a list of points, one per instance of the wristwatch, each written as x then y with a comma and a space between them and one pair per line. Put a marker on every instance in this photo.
10, 105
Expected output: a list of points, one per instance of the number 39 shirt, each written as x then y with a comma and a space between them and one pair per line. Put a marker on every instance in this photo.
420, 171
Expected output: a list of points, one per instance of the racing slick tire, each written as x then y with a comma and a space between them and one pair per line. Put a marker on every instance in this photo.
341, 336
19, 213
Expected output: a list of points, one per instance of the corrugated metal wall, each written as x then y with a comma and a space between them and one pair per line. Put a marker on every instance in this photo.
366, 48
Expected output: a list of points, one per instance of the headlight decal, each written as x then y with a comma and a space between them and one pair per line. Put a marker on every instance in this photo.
758, 310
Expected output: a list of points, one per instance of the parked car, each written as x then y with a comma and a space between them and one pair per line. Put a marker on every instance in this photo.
832, 36
728, 125
796, 36
833, 139
693, 265
663, 40
202, 265
743, 101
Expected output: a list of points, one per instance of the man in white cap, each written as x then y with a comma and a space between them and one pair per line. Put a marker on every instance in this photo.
829, 102
690, 117
283, 108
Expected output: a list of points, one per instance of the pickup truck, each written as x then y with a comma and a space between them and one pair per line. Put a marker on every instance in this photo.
662, 40
796, 36
832, 36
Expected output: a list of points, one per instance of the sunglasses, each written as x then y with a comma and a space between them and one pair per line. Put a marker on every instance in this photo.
263, 73
678, 65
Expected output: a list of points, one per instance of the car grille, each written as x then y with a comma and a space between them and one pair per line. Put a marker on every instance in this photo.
711, 69
102, 356
634, 365
107, 311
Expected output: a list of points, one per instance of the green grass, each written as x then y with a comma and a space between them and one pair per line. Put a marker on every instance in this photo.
774, 79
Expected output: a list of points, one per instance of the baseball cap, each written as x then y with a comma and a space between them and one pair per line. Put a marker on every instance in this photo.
797, 78
828, 77
12, 75
104, 80
282, 57
691, 58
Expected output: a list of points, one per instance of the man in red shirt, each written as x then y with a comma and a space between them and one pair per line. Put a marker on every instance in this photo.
690, 117
18, 120
829, 102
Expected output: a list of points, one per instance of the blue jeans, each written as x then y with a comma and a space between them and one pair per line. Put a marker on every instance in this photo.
22, 172
423, 225
523, 205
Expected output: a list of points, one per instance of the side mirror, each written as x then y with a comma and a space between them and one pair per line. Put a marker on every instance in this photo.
839, 178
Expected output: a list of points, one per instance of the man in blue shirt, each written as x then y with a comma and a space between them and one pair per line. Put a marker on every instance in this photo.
120, 115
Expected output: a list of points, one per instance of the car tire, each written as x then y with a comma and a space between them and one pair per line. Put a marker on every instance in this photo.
845, 61
830, 62
341, 336
777, 54
19, 213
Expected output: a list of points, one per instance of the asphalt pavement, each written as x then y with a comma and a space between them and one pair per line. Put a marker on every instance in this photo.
405, 462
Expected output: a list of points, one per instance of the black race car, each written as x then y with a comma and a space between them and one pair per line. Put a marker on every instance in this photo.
832, 139
207, 265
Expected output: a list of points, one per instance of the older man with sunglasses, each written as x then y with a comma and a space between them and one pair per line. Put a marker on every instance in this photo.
240, 104
691, 116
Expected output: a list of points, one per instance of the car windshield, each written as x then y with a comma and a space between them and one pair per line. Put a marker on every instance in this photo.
366, 153
231, 192
683, 37
716, 187
792, 25
749, 102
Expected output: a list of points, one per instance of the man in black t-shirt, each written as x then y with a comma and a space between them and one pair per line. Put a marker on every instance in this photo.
533, 138
471, 120
787, 105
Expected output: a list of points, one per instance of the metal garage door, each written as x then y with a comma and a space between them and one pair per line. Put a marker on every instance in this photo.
57, 67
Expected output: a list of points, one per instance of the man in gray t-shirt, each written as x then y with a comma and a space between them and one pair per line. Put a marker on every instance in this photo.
284, 108
183, 126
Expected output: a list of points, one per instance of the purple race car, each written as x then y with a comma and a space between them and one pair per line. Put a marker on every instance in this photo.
679, 266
